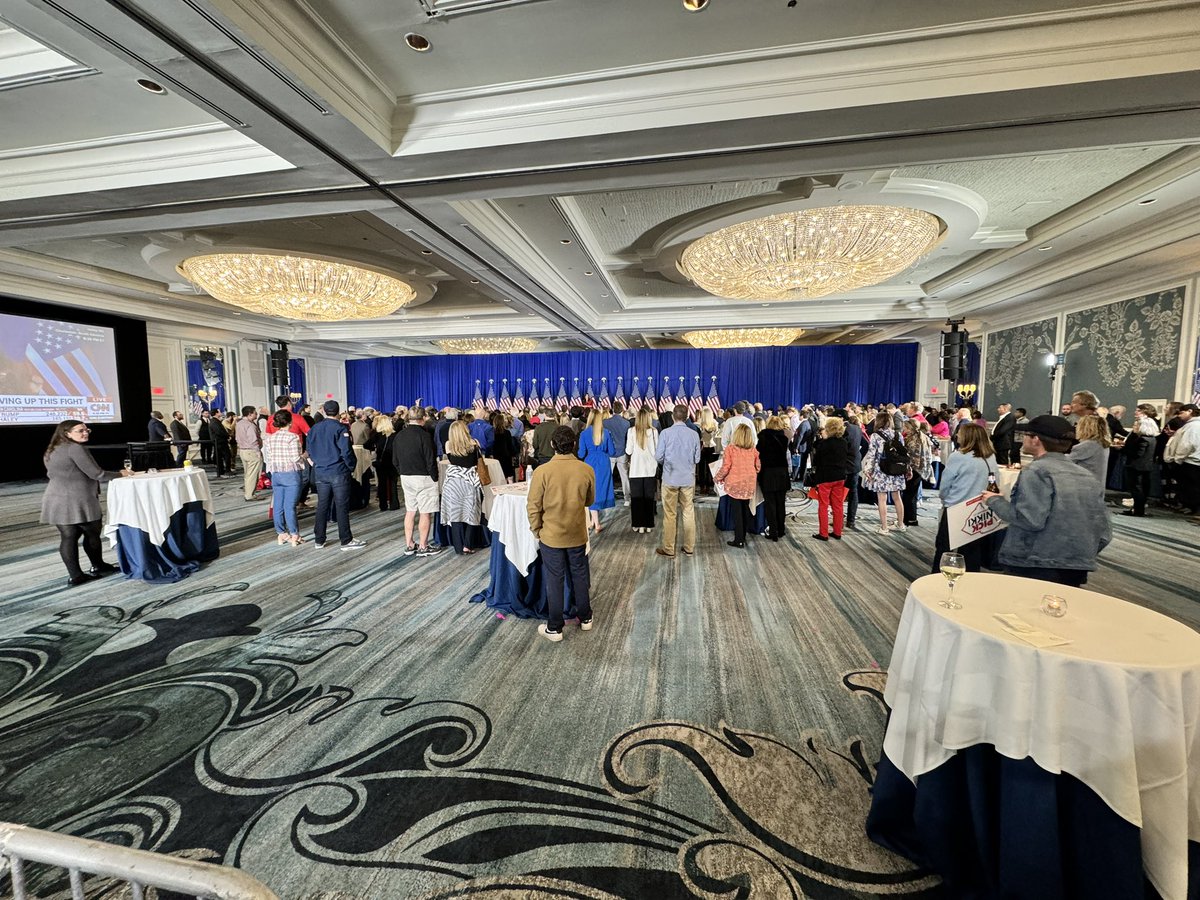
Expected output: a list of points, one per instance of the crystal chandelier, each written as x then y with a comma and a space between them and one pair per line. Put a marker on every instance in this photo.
297, 287
489, 345
727, 338
810, 253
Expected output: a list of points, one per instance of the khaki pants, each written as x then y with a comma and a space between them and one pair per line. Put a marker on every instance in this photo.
673, 499
252, 468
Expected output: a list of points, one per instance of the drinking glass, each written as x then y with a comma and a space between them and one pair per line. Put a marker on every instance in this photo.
953, 566
127, 464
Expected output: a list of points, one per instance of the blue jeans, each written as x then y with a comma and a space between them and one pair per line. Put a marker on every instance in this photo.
335, 490
285, 491
557, 562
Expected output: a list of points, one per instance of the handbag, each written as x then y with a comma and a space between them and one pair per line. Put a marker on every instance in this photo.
810, 478
481, 469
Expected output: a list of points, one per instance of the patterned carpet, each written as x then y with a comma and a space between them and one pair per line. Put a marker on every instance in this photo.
348, 725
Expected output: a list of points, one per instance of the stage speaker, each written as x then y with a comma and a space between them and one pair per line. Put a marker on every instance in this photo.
279, 368
954, 355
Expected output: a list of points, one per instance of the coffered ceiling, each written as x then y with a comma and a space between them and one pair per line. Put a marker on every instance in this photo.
541, 166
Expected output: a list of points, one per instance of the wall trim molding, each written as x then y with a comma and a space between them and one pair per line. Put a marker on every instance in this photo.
1021, 52
155, 157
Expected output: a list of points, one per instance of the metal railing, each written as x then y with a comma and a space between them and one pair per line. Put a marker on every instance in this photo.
21, 845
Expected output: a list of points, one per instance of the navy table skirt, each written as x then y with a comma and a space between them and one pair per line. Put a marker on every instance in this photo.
478, 537
725, 517
189, 541
512, 593
996, 827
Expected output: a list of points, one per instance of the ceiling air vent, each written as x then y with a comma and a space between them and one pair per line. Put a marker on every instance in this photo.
441, 8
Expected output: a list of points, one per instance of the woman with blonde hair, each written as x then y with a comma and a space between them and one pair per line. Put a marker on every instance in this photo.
965, 476
596, 449
738, 475
462, 499
710, 449
774, 476
1092, 450
641, 444
388, 488
831, 461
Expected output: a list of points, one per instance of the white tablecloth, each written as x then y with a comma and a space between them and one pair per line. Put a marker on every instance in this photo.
147, 501
1117, 708
510, 520
494, 470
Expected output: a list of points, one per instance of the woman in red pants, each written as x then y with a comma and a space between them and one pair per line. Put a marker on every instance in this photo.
831, 458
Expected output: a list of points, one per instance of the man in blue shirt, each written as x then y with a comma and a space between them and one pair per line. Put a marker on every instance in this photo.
481, 431
333, 459
618, 426
678, 452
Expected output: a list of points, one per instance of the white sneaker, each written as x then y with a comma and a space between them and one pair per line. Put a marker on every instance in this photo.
544, 631
585, 624
626, 502
901, 527
882, 530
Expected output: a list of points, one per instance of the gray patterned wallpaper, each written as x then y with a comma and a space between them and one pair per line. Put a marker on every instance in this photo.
1125, 351
1016, 370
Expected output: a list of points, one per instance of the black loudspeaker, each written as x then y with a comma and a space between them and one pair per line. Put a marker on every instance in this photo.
279, 367
954, 355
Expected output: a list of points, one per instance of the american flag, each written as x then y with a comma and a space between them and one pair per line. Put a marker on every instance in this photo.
576, 399
604, 401
518, 403
1196, 387
477, 403
635, 396
714, 402
649, 398
490, 406
696, 402
620, 393
69, 372
589, 395
506, 403
665, 403
547, 395
681, 398
561, 402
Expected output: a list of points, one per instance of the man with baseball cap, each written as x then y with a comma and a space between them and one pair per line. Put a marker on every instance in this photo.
333, 460
1057, 523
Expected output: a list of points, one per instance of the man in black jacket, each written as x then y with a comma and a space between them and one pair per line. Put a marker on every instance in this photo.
415, 461
333, 460
854, 438
1002, 435
180, 436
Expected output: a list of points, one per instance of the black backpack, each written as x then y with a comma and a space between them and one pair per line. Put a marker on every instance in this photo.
894, 460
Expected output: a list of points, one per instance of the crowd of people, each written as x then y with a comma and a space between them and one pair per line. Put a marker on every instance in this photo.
436, 461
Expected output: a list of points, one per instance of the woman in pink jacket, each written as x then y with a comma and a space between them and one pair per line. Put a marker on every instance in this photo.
739, 477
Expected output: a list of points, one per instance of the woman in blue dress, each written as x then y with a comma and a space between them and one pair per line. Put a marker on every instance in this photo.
596, 449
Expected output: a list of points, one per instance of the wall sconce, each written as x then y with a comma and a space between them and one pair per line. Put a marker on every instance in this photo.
1053, 361
295, 397
966, 391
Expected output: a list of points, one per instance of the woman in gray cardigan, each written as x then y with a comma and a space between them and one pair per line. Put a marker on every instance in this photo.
1092, 450
72, 500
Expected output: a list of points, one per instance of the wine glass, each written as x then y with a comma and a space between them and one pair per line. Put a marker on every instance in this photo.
953, 566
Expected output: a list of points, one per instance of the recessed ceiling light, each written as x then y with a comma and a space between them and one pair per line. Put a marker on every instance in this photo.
845, 301
764, 304
588, 273
417, 42
65, 277
1147, 201
506, 299
474, 281
152, 86
604, 295
966, 282
1044, 248
427, 253
694, 5
565, 241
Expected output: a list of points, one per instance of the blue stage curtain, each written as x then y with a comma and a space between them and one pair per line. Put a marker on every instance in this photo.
297, 382
972, 364
875, 373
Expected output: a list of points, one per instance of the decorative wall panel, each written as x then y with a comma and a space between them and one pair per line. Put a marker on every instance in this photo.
1016, 370
1125, 351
